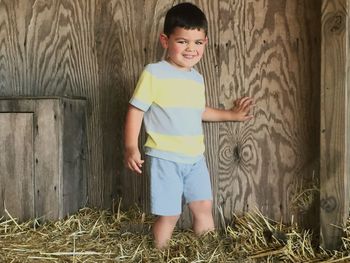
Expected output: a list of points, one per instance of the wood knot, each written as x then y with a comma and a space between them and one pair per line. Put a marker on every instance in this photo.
236, 153
328, 204
335, 23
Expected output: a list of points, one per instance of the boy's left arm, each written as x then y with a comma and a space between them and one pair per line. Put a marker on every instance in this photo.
239, 112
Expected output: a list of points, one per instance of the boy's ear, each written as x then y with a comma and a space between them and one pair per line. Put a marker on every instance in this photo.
164, 40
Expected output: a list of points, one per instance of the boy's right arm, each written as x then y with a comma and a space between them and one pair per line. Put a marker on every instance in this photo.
132, 154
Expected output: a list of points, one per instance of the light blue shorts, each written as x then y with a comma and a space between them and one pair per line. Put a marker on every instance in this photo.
171, 181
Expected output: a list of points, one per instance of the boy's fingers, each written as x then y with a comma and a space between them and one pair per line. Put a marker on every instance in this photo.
139, 163
136, 168
244, 100
247, 104
247, 101
246, 107
249, 117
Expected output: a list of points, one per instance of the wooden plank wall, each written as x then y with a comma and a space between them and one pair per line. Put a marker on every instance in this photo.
16, 159
43, 156
335, 121
270, 51
266, 49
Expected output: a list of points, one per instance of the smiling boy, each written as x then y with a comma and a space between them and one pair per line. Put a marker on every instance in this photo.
170, 99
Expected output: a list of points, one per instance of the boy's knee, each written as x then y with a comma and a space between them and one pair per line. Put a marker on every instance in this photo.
202, 216
201, 208
168, 219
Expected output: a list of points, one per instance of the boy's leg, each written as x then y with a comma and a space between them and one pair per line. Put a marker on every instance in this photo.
166, 198
202, 216
197, 192
163, 229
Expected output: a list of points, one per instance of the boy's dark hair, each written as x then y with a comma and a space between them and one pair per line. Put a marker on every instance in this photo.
185, 15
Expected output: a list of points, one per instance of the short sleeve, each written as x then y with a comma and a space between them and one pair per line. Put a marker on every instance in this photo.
143, 94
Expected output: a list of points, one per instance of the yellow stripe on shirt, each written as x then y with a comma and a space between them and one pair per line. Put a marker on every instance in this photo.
179, 93
144, 88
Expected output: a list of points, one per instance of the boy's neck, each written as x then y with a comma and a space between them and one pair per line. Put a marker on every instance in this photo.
171, 63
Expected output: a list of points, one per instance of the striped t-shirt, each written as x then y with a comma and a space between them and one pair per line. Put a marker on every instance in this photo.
173, 101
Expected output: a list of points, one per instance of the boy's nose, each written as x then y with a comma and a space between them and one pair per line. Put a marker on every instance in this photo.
190, 47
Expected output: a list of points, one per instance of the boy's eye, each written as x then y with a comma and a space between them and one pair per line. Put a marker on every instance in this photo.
199, 42
181, 42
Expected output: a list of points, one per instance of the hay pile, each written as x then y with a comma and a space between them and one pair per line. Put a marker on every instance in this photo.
101, 236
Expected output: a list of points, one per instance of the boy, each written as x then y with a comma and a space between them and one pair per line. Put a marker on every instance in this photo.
170, 98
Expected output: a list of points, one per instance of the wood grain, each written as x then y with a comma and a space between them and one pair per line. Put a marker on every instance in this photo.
269, 47
47, 155
16, 165
232, 86
74, 156
334, 191
209, 68
129, 31
55, 149
116, 71
47, 49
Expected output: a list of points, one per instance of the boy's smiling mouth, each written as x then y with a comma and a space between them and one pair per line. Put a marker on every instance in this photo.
189, 56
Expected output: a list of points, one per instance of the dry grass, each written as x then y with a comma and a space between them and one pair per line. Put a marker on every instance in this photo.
100, 236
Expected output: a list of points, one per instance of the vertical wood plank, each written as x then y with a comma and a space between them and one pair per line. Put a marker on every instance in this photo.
16, 165
233, 189
14, 20
114, 44
269, 53
74, 153
280, 71
129, 31
334, 121
48, 159
58, 152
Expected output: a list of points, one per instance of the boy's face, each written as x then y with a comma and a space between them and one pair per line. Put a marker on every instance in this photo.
185, 47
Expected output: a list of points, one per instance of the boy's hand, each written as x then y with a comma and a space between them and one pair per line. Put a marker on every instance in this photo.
133, 160
241, 109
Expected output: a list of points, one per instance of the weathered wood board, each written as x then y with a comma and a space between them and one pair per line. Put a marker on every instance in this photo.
269, 50
16, 165
335, 122
55, 152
